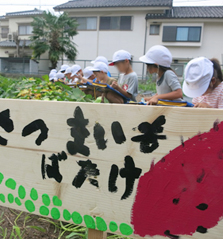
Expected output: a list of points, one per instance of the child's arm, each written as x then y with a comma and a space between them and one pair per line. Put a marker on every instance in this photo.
118, 88
176, 94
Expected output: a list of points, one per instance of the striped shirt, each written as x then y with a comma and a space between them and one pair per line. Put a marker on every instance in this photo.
214, 99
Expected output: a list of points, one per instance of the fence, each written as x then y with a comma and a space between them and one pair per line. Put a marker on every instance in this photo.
26, 66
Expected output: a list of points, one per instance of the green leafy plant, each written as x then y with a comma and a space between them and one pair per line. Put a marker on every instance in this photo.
52, 34
38, 89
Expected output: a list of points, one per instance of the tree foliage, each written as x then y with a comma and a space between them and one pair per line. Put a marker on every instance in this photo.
53, 34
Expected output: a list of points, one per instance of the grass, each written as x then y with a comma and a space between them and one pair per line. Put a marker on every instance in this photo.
20, 225
148, 85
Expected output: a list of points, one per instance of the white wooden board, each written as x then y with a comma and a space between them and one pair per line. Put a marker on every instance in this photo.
21, 158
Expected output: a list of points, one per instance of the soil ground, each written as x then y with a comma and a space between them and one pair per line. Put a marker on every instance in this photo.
30, 226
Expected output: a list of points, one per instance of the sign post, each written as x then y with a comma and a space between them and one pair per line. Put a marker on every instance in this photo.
136, 171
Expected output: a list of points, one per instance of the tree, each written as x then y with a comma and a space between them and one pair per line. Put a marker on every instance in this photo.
52, 34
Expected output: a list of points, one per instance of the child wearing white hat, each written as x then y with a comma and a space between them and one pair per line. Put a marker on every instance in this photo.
158, 60
100, 70
88, 75
203, 83
72, 73
102, 59
128, 80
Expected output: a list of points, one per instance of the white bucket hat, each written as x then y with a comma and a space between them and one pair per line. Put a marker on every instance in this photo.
99, 66
75, 69
59, 75
158, 55
100, 59
53, 71
68, 71
120, 56
88, 72
198, 74
63, 68
52, 75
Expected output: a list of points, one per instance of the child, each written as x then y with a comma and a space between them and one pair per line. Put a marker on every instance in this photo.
88, 75
128, 81
100, 70
73, 73
59, 77
203, 83
52, 76
63, 68
158, 60
101, 59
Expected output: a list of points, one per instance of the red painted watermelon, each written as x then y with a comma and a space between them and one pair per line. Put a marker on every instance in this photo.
183, 192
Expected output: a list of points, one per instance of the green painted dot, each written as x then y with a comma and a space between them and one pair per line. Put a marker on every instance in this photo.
29, 205
1, 177
10, 183
77, 218
57, 201
89, 221
66, 215
55, 213
2, 197
44, 211
33, 194
125, 229
10, 198
101, 225
18, 202
46, 199
113, 226
22, 192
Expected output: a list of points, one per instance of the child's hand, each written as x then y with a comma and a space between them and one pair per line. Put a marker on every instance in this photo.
147, 98
202, 105
153, 101
114, 85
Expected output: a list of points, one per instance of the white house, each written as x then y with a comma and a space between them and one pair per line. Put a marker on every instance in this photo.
106, 26
19, 24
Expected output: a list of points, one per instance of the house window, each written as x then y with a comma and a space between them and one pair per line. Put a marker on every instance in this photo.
181, 34
154, 30
86, 23
25, 30
116, 23
4, 32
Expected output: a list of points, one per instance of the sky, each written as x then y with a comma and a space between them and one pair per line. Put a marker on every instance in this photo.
23, 5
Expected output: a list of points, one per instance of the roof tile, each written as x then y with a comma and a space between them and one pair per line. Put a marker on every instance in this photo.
113, 3
190, 12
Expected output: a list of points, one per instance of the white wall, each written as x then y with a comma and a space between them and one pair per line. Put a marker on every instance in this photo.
211, 42
90, 44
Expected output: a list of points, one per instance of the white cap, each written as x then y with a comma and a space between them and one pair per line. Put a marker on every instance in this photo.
68, 70
100, 59
100, 66
63, 68
53, 71
120, 56
88, 72
52, 76
59, 75
198, 74
75, 69
158, 55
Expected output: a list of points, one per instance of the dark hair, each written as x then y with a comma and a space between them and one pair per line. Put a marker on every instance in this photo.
217, 69
162, 68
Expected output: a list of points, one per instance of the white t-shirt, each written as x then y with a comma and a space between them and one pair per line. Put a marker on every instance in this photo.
129, 83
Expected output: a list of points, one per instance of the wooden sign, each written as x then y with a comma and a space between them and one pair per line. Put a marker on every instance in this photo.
137, 171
